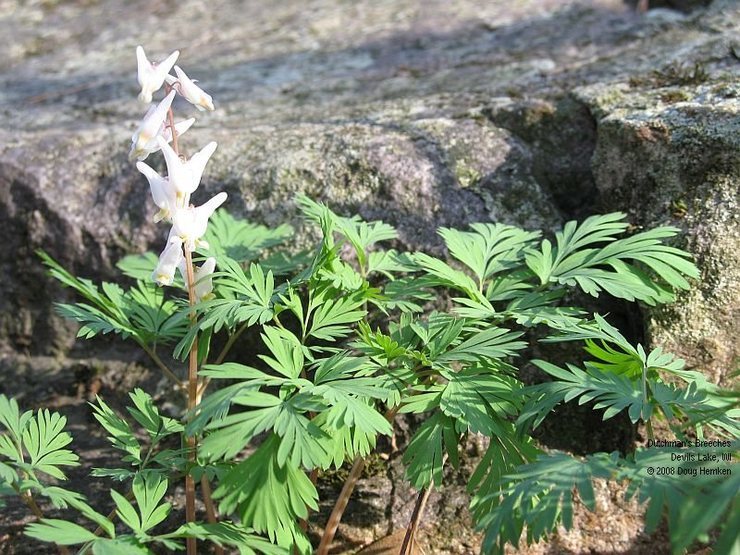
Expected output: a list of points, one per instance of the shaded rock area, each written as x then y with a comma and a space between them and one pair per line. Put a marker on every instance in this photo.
420, 113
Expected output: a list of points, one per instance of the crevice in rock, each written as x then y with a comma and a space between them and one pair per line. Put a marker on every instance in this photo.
561, 134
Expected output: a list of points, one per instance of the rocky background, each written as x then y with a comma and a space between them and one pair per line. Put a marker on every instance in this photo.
424, 114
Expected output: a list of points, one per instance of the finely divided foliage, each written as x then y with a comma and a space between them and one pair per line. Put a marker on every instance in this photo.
341, 338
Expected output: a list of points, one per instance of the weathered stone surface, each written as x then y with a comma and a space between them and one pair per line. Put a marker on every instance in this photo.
420, 113
669, 162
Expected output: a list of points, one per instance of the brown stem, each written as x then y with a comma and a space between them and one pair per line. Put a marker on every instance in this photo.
171, 124
421, 501
341, 504
211, 516
192, 365
410, 538
192, 401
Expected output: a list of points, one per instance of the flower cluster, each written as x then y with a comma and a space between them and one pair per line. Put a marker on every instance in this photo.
156, 132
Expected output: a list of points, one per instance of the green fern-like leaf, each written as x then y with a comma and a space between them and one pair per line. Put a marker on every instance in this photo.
228, 534
480, 397
269, 497
59, 531
241, 240
696, 494
425, 454
121, 436
540, 496
331, 317
489, 248
44, 438
576, 260
612, 392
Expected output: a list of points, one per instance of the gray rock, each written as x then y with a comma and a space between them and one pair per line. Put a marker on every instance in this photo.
422, 114
677, 164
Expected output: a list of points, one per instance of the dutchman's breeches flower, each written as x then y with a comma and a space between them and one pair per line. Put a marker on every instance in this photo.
185, 176
163, 193
151, 76
202, 277
172, 193
150, 127
190, 91
190, 224
169, 261
166, 133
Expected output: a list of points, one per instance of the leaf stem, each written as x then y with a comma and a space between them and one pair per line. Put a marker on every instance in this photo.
230, 343
211, 516
409, 539
221, 356
30, 502
341, 503
649, 429
336, 514
645, 400
161, 365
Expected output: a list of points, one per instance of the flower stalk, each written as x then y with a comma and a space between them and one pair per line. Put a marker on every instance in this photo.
172, 194
192, 401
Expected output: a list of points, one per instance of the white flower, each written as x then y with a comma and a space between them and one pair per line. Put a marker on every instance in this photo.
190, 224
169, 260
164, 132
163, 193
151, 76
150, 126
190, 91
202, 276
185, 176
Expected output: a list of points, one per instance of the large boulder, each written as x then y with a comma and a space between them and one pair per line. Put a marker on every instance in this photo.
420, 113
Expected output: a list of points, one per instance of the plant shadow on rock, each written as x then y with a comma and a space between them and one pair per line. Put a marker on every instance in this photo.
576, 428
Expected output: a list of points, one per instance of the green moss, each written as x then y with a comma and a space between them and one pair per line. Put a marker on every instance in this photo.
466, 175
673, 96
674, 74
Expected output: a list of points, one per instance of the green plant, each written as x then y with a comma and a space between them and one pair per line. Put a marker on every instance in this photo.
344, 337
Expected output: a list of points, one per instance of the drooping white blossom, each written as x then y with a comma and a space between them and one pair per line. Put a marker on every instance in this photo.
166, 133
190, 91
150, 127
201, 277
190, 224
169, 261
171, 193
163, 193
185, 176
151, 75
